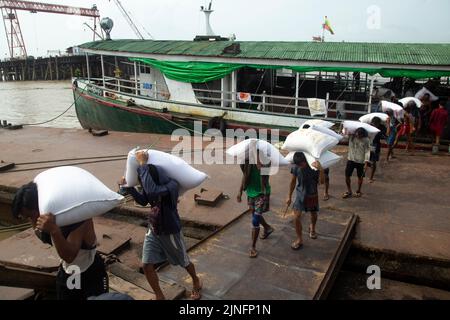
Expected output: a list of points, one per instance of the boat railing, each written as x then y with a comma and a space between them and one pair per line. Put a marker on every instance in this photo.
127, 86
264, 103
339, 109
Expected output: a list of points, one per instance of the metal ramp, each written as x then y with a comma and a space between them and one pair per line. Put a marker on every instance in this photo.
278, 272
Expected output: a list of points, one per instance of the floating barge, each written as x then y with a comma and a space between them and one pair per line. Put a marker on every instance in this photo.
406, 234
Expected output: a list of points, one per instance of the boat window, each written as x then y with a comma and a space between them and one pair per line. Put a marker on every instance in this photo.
208, 92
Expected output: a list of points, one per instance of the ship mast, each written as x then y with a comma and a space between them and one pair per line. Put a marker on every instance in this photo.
207, 12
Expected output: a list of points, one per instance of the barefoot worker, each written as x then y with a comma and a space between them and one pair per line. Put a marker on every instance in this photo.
75, 245
305, 181
358, 158
164, 240
258, 190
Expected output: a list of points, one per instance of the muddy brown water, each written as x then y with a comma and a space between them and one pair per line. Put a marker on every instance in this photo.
29, 102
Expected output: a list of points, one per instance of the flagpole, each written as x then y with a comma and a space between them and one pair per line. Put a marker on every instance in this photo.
323, 31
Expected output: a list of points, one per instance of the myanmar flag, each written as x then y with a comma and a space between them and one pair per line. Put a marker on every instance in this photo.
327, 26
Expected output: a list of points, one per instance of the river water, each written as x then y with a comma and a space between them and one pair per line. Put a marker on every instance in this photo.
29, 102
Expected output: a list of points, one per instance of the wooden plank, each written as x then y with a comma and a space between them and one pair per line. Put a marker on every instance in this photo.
10, 293
27, 279
110, 240
171, 291
121, 286
25, 250
208, 197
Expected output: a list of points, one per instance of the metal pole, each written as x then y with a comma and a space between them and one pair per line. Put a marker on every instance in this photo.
372, 80
103, 71
327, 99
297, 89
264, 101
135, 78
87, 68
233, 89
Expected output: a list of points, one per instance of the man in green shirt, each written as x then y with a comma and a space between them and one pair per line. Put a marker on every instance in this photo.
258, 190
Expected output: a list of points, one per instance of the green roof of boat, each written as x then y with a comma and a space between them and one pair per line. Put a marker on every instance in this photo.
432, 54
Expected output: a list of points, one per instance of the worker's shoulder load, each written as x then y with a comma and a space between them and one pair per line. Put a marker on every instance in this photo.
407, 100
327, 160
327, 131
369, 117
175, 168
350, 127
424, 91
398, 111
73, 195
268, 152
317, 122
310, 141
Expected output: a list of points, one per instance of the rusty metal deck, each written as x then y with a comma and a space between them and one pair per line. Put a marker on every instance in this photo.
278, 272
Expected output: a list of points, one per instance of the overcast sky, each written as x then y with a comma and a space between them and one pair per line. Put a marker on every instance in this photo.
287, 20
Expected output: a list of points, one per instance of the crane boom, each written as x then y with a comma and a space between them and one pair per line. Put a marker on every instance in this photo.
11, 23
129, 20
50, 8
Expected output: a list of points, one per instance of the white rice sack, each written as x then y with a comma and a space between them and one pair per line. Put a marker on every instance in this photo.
399, 112
327, 160
369, 117
327, 131
267, 151
176, 168
317, 122
310, 141
349, 127
405, 101
73, 195
423, 91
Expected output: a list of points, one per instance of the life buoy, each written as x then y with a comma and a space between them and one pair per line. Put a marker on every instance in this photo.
218, 123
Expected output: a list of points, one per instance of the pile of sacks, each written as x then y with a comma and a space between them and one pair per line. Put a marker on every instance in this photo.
314, 138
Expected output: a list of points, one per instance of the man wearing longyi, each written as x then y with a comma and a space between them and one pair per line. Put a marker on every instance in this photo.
75, 245
164, 240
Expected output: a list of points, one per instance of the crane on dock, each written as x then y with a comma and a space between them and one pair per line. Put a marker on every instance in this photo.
130, 21
11, 22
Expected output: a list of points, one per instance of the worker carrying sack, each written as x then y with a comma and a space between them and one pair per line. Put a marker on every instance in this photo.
398, 111
369, 117
310, 141
349, 127
174, 167
73, 195
269, 154
317, 122
327, 160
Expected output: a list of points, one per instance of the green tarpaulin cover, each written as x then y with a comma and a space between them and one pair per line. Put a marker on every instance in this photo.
199, 72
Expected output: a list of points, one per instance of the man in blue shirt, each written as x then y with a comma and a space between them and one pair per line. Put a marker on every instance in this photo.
164, 239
